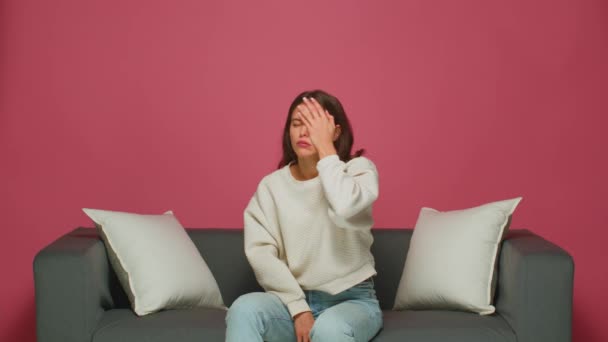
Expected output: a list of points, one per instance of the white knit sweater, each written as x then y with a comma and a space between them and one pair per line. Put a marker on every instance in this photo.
313, 234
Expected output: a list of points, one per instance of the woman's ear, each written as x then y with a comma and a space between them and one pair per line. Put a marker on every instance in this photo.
337, 132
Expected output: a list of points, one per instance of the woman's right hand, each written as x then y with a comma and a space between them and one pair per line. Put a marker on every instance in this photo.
303, 323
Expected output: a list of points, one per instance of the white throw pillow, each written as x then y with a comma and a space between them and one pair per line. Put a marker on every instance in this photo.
156, 262
451, 261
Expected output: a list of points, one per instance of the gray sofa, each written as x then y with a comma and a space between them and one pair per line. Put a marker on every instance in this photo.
78, 297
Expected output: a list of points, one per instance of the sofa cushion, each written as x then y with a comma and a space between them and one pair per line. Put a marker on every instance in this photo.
441, 326
201, 324
183, 325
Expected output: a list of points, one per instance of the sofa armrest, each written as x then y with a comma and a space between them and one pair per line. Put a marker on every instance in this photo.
535, 283
71, 280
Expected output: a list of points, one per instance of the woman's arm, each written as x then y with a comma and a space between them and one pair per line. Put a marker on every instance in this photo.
262, 241
349, 191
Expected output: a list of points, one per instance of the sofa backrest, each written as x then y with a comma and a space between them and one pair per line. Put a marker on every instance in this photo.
223, 251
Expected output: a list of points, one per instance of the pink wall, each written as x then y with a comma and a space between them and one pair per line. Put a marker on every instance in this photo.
149, 106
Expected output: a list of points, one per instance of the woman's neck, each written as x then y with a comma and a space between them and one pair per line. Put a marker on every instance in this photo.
306, 168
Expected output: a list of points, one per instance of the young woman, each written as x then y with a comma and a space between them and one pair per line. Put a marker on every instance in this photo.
308, 238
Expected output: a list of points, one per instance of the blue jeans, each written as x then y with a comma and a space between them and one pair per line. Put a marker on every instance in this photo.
351, 315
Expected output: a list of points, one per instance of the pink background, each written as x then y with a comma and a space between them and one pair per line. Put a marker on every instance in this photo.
153, 105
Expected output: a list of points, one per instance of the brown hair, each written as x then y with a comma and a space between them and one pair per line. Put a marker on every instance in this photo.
343, 144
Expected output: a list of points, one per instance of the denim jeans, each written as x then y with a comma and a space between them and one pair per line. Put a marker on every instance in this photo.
351, 315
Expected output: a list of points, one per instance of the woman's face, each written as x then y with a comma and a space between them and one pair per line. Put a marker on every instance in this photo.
300, 141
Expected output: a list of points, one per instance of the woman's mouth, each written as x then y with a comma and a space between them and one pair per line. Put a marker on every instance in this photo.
303, 144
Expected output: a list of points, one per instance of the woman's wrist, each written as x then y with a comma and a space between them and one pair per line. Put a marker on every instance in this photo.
325, 151
303, 313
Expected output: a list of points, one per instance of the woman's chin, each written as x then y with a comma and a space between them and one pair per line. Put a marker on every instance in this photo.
306, 153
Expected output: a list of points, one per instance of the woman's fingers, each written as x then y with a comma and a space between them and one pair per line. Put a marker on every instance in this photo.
305, 118
305, 111
308, 109
316, 107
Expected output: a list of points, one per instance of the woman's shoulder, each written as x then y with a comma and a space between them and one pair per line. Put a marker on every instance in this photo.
360, 159
360, 162
272, 177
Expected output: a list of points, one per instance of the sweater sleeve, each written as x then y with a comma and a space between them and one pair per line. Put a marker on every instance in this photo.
350, 188
262, 247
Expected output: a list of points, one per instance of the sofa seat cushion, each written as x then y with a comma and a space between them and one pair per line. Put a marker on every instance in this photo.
202, 324
441, 326
183, 325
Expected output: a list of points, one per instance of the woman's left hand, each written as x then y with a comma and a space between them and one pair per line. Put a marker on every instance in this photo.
320, 124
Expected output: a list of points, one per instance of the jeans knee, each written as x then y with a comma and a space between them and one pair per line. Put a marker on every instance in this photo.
247, 305
332, 330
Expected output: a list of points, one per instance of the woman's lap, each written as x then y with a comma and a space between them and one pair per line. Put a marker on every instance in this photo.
352, 315
259, 313
351, 320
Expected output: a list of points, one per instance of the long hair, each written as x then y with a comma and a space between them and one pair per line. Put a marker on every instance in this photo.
343, 144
